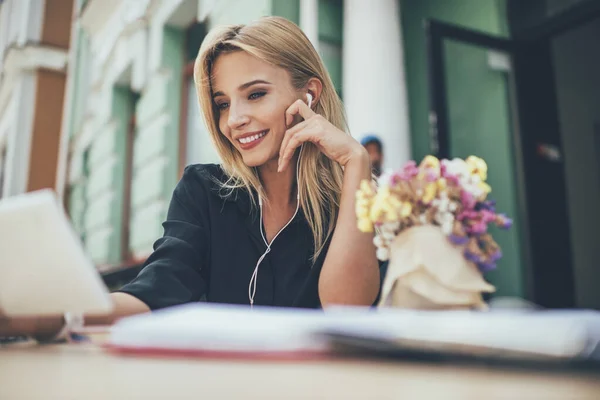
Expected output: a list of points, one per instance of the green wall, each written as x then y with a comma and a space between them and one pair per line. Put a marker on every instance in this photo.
156, 145
227, 12
289, 9
486, 16
331, 31
478, 108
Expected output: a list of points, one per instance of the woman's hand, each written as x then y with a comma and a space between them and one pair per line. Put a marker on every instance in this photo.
335, 144
30, 326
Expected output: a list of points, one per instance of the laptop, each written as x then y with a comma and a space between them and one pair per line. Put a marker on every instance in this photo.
44, 269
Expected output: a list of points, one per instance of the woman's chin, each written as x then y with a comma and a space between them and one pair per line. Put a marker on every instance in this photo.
258, 158
254, 158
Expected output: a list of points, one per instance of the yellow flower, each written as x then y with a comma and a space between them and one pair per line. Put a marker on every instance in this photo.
430, 162
485, 187
429, 193
366, 189
362, 212
406, 209
365, 225
477, 167
442, 184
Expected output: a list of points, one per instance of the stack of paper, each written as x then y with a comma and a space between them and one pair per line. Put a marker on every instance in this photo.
209, 328
238, 330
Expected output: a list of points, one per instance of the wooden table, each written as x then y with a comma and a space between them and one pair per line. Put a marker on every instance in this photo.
85, 371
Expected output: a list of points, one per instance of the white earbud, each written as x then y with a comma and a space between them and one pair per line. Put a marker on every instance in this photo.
310, 99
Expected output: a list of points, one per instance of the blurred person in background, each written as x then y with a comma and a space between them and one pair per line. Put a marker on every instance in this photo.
274, 224
374, 147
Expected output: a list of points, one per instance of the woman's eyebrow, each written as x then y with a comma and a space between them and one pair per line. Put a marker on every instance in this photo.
244, 86
254, 82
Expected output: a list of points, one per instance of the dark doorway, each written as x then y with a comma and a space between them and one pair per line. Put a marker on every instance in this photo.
528, 139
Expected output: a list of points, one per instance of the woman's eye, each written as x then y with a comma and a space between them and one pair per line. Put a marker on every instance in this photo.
256, 95
222, 106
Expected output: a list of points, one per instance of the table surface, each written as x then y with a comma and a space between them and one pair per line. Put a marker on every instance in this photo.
86, 371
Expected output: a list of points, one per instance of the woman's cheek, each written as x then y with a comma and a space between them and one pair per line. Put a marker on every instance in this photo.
224, 129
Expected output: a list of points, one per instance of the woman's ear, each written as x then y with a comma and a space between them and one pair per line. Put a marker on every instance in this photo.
314, 86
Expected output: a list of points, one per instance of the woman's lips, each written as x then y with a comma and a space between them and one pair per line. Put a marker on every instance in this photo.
248, 142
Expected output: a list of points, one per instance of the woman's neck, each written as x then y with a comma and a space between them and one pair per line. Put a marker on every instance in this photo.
280, 187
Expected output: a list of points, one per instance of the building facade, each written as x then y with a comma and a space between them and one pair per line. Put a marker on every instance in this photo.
34, 43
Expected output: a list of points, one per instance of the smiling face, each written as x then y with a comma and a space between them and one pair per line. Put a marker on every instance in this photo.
251, 97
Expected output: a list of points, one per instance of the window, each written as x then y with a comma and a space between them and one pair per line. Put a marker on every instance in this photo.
2, 169
331, 20
127, 257
195, 144
76, 192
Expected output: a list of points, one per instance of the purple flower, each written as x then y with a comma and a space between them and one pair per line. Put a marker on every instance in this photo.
503, 221
459, 240
495, 256
489, 205
472, 256
486, 266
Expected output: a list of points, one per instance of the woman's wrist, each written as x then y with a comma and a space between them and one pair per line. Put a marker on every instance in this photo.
359, 159
47, 328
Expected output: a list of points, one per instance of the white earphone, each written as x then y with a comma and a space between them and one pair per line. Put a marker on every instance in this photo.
254, 278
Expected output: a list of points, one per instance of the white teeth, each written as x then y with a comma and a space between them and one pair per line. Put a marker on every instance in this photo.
252, 138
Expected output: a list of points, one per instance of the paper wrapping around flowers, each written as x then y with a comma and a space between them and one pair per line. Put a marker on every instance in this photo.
427, 271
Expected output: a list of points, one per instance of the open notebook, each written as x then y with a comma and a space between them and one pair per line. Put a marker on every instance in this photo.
234, 331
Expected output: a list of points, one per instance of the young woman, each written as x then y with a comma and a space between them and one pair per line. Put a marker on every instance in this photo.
274, 224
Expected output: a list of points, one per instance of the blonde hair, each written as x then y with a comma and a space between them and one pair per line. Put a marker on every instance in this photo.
281, 43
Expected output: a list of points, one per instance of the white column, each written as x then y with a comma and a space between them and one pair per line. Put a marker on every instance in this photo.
374, 83
309, 20
18, 149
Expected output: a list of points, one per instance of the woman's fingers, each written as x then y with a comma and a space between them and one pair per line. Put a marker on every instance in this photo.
294, 141
298, 107
288, 134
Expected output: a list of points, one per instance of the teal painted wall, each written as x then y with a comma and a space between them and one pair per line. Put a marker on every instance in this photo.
486, 16
173, 55
104, 167
156, 144
289, 9
227, 12
331, 31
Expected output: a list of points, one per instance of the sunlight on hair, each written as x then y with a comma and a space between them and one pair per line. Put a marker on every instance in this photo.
281, 43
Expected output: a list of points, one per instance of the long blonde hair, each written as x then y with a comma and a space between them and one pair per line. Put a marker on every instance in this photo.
281, 43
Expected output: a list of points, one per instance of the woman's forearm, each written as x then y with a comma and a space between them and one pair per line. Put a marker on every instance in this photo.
47, 327
350, 273
124, 305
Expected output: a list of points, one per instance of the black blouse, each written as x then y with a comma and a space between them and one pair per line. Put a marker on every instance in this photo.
210, 248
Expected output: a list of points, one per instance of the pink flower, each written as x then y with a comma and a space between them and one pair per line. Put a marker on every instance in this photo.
467, 200
431, 175
478, 227
409, 171
487, 216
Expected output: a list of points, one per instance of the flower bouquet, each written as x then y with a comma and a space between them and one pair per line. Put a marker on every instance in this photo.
431, 222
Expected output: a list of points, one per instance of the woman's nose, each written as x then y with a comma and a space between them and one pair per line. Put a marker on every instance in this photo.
238, 116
